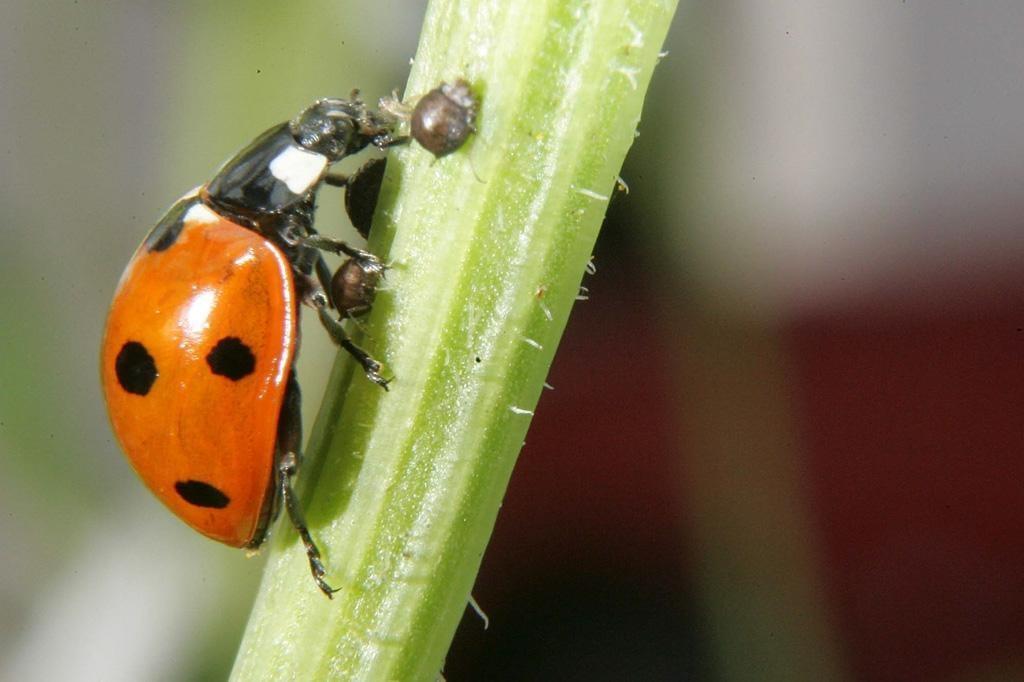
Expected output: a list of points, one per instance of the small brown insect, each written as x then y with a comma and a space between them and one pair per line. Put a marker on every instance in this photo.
354, 286
445, 117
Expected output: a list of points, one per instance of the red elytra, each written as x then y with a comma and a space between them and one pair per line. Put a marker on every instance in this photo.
195, 362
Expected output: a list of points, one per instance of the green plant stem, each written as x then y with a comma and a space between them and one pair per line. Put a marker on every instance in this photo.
488, 247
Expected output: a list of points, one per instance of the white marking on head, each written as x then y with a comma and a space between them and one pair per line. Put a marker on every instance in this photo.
298, 168
201, 213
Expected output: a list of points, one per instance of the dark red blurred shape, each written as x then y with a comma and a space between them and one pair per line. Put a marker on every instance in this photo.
915, 429
912, 425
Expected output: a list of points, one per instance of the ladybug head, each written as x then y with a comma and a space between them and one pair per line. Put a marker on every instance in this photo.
338, 127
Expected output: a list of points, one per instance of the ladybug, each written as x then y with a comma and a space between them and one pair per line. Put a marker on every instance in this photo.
197, 360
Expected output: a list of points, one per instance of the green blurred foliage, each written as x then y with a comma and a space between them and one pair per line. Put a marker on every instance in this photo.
109, 112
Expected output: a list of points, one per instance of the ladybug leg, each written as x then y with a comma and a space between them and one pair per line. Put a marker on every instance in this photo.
289, 440
357, 311
336, 179
337, 333
377, 126
366, 259
287, 468
315, 296
389, 140
324, 275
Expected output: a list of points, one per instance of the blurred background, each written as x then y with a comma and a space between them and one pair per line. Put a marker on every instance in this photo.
785, 440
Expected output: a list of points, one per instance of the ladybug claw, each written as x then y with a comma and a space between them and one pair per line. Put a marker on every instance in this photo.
316, 567
376, 378
372, 369
370, 366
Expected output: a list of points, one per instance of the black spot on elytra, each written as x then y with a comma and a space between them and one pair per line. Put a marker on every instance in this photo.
231, 358
167, 230
201, 494
135, 368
